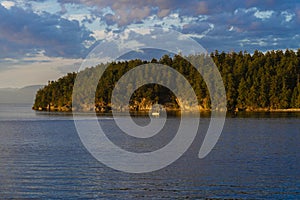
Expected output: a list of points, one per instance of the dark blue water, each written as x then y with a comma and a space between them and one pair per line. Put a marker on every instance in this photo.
41, 156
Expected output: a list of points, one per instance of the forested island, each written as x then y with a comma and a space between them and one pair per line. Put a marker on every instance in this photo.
253, 82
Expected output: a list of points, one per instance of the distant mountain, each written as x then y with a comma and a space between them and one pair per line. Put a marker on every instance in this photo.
19, 95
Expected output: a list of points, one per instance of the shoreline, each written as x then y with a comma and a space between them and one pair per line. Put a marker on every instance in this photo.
286, 110
267, 110
178, 110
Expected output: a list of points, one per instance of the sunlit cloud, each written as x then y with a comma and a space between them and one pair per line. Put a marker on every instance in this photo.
7, 4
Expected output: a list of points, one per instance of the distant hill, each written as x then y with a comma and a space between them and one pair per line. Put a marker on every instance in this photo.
19, 95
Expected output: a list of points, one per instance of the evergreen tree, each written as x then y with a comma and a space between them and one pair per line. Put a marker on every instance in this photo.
268, 80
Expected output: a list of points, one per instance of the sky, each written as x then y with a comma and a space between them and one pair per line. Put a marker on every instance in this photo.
42, 40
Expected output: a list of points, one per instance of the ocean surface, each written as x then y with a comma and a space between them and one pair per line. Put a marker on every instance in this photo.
42, 157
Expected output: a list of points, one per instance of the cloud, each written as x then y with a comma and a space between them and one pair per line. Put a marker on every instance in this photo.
287, 15
81, 22
263, 14
7, 4
25, 32
248, 29
162, 8
129, 11
35, 70
44, 38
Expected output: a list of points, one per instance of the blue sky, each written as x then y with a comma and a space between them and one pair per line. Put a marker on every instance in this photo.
41, 40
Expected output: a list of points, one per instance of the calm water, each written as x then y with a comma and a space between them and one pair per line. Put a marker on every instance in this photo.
41, 156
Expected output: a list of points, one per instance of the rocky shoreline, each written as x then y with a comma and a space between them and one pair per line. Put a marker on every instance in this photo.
147, 107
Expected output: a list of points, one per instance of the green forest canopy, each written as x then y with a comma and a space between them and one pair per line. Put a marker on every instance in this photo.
258, 81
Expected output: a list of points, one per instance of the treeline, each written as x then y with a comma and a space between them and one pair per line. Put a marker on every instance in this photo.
258, 81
